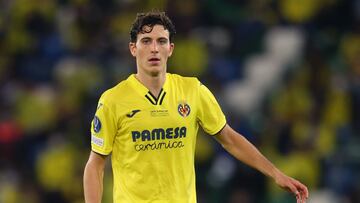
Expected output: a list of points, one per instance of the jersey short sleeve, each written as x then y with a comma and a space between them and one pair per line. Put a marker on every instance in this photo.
103, 128
209, 115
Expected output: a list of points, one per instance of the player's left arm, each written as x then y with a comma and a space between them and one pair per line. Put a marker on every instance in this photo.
243, 150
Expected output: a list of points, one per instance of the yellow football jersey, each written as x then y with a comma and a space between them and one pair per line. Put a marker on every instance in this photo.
152, 139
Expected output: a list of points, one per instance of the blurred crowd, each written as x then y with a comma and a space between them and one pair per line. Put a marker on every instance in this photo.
286, 73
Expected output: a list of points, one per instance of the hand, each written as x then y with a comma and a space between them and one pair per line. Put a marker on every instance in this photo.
293, 186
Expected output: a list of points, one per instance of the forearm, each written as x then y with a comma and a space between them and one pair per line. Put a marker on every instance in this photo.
243, 150
93, 183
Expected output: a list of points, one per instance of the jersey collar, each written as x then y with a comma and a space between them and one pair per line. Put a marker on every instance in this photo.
144, 91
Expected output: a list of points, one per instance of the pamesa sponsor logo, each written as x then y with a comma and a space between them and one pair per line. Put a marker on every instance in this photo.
162, 138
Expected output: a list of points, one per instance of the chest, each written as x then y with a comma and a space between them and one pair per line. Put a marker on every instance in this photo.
170, 111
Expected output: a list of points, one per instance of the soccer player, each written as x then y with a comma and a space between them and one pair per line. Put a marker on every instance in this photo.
149, 123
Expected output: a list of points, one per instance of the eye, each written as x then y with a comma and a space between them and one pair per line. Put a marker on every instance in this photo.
146, 41
163, 41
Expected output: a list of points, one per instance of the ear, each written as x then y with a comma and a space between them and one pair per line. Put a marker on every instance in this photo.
172, 46
132, 48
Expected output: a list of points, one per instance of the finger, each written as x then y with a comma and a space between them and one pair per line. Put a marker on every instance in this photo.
298, 199
306, 192
294, 190
303, 189
304, 195
299, 196
303, 198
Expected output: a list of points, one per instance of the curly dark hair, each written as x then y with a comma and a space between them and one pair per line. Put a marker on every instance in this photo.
151, 19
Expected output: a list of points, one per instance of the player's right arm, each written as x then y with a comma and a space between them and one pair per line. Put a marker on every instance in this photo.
93, 178
103, 131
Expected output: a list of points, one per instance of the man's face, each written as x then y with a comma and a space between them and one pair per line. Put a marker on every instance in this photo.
152, 50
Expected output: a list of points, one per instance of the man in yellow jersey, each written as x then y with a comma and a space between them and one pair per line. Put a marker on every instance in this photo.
149, 123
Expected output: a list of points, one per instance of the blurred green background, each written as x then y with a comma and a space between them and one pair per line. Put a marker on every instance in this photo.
286, 73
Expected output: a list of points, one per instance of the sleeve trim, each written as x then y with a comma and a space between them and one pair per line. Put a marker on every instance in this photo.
100, 152
219, 130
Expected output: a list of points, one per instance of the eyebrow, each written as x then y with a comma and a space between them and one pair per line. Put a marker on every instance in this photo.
163, 38
145, 38
160, 38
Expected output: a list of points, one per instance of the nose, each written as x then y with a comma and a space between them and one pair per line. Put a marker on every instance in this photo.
154, 47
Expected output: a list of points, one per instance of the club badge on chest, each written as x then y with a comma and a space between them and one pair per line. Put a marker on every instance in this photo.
184, 109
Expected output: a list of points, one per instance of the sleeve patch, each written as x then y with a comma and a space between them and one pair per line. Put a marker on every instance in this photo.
97, 124
97, 141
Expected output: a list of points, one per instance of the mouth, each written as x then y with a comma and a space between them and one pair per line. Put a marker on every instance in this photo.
154, 59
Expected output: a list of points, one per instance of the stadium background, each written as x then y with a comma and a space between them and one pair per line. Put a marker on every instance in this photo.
287, 74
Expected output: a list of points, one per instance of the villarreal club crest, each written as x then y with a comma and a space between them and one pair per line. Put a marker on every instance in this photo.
184, 109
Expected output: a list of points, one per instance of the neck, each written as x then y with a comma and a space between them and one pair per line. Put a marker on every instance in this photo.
153, 83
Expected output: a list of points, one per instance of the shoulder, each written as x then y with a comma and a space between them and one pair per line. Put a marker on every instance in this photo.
185, 81
118, 91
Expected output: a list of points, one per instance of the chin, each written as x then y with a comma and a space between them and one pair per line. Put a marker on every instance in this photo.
155, 71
